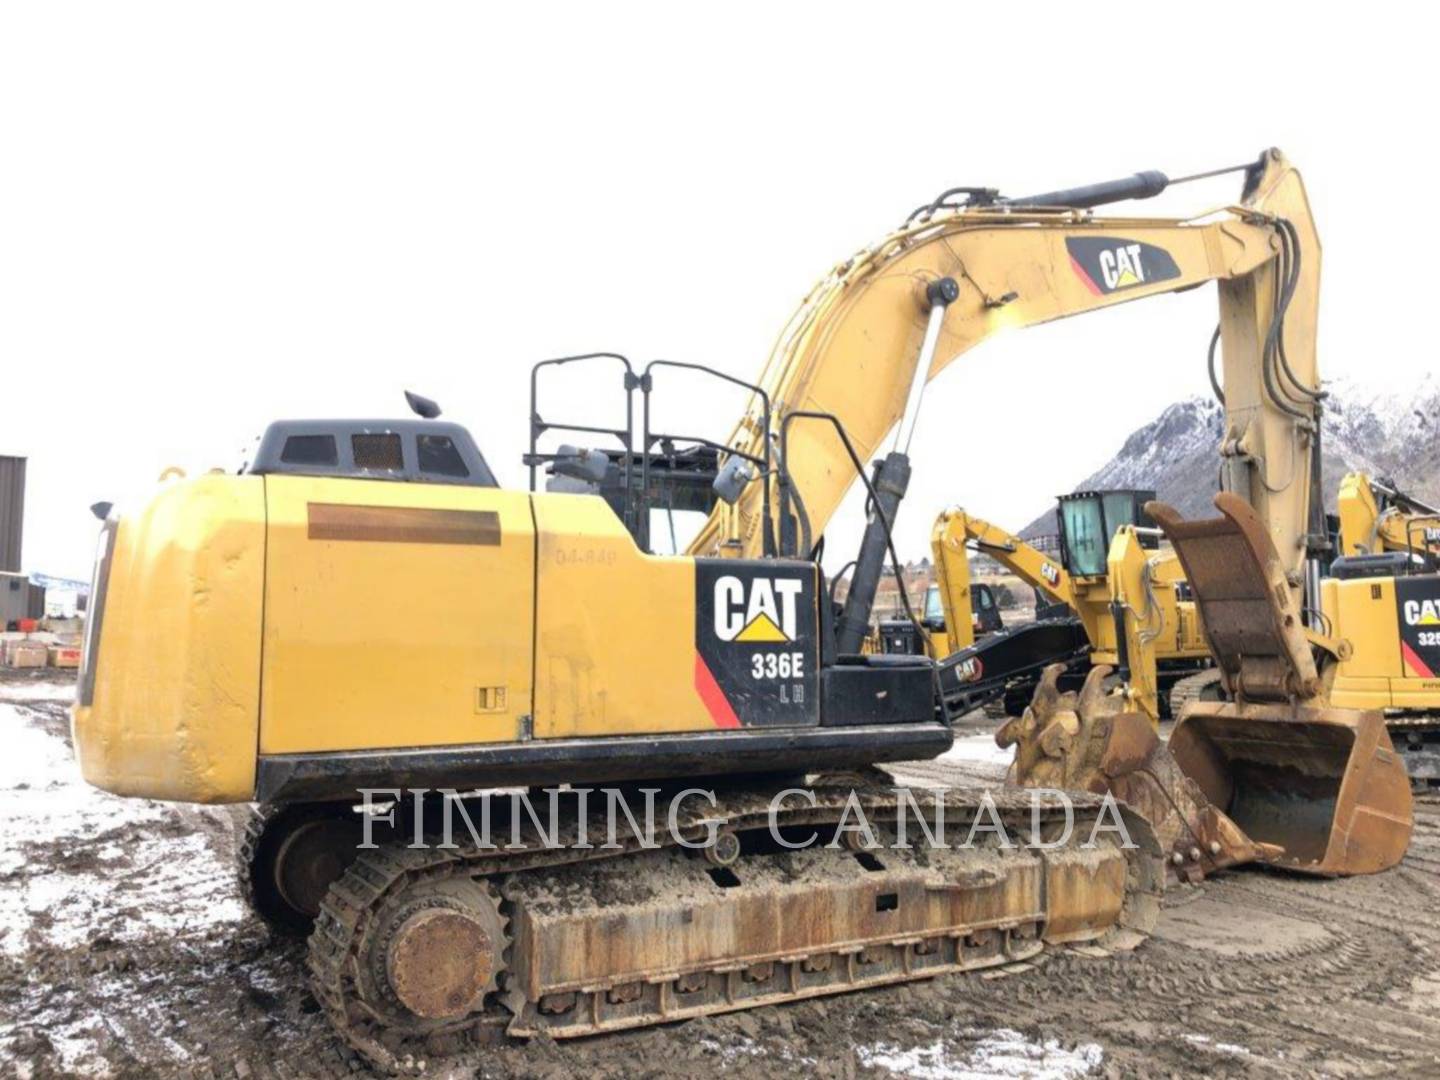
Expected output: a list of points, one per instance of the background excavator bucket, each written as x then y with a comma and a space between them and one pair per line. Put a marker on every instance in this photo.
1318, 789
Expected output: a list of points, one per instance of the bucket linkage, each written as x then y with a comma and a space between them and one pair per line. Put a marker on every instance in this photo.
1275, 774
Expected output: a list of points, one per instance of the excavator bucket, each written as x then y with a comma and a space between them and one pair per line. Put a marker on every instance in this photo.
1318, 789
1274, 775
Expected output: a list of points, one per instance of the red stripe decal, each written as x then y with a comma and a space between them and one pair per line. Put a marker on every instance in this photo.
1417, 665
1086, 278
713, 697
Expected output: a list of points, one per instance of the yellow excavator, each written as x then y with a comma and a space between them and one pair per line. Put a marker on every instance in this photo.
1125, 599
362, 615
1382, 595
1376, 518
1122, 586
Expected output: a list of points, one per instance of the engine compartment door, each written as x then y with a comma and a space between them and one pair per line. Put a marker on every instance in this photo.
396, 615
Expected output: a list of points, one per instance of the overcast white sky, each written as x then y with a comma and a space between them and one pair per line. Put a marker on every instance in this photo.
212, 217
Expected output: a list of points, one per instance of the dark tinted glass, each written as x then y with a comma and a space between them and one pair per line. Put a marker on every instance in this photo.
439, 456
310, 450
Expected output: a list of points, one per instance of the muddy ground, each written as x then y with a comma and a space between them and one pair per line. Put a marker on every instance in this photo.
125, 952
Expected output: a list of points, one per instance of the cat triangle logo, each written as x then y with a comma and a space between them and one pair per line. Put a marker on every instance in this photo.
761, 628
1126, 278
760, 610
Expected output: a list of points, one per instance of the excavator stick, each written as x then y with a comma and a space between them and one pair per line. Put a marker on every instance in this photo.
1274, 775
1322, 784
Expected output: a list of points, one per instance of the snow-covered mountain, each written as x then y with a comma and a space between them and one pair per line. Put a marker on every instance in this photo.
1389, 431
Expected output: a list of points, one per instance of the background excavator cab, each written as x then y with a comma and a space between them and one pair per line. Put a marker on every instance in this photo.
898, 634
1087, 522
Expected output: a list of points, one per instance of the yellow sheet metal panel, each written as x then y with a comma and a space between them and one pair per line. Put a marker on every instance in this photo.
615, 652
176, 703
1363, 612
1361, 692
1415, 693
396, 615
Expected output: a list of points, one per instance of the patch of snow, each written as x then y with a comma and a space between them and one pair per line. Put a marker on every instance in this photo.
38, 690
737, 1048
78, 1034
732, 1050
1000, 1053
1221, 1047
76, 1043
977, 748
151, 881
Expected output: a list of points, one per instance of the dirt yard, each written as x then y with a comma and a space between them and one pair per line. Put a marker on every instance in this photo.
125, 951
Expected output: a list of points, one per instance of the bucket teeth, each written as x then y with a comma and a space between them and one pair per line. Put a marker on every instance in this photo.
1085, 742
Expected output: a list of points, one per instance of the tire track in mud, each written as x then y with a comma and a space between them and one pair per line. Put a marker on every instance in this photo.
1333, 987
1288, 1006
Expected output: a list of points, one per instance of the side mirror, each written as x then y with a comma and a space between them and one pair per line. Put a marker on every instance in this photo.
580, 464
732, 479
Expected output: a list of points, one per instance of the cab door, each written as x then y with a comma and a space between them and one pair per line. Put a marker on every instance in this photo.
396, 615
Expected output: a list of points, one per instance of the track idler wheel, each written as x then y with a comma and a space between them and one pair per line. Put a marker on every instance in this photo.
289, 855
725, 850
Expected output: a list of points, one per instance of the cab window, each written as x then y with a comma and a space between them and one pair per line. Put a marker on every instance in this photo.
933, 610
1085, 540
439, 456
310, 450
377, 451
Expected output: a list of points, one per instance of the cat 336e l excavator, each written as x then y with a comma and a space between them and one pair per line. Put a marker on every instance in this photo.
363, 607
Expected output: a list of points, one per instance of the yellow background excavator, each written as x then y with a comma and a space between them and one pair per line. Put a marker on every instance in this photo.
1135, 589
1132, 590
1377, 519
245, 645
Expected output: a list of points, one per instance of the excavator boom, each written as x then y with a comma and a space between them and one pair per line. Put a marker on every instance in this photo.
851, 348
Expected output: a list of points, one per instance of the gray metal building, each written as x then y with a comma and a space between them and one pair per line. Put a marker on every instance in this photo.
12, 511
19, 599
